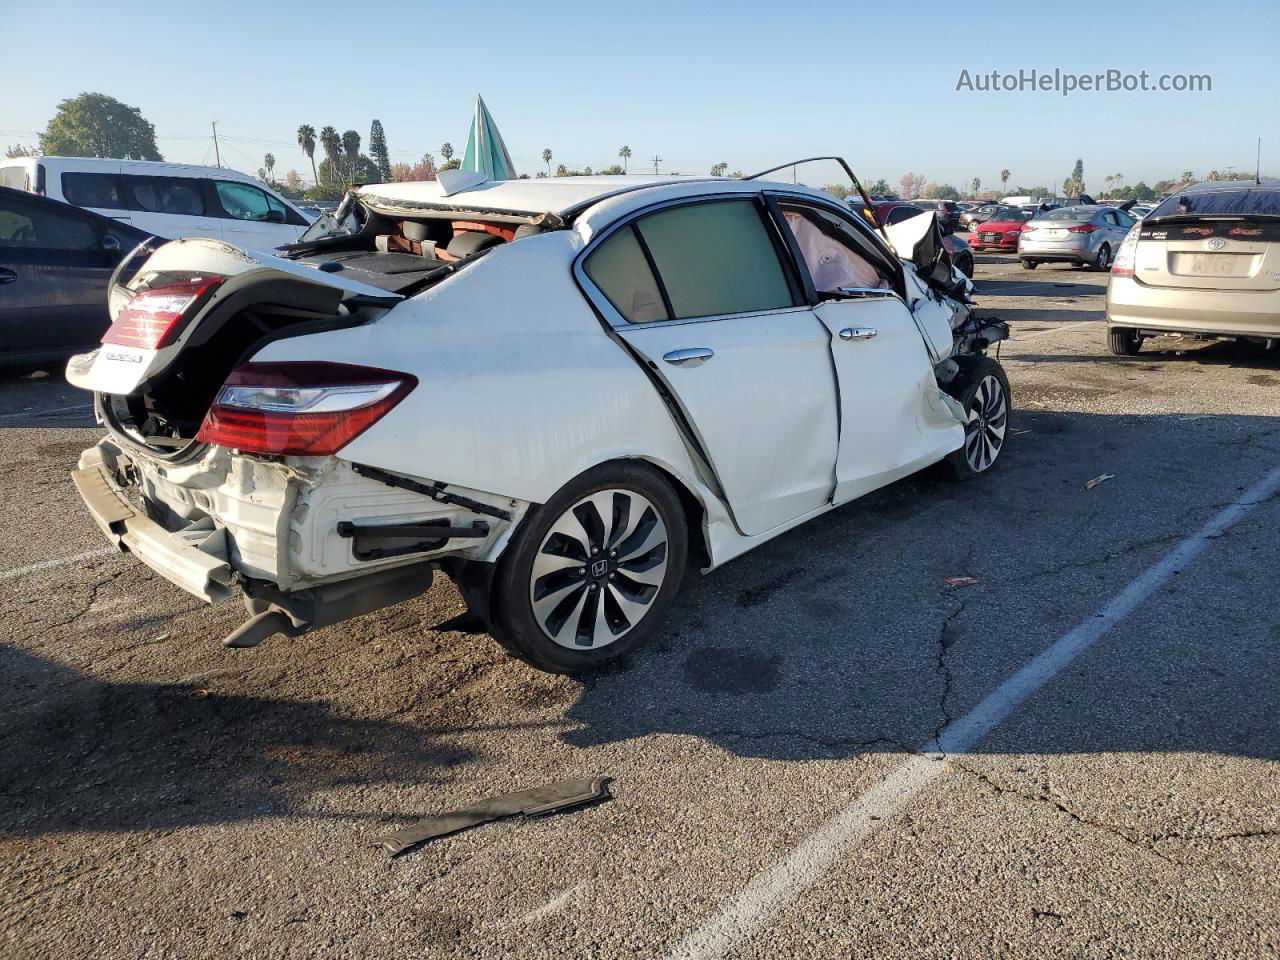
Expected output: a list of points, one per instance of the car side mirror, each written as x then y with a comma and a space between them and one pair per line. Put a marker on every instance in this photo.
110, 243
275, 216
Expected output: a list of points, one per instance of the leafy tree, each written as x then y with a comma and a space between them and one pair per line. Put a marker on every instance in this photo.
331, 144
878, 189
95, 125
1004, 181
18, 150
378, 150
307, 141
941, 191
912, 184
719, 169
546, 158
446, 151
453, 164
1188, 175
616, 170
360, 170
1073, 186
837, 190
293, 182
624, 153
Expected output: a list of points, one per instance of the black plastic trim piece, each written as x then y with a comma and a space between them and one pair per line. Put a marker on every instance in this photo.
433, 489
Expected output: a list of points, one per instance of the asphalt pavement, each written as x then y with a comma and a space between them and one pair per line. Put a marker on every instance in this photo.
830, 751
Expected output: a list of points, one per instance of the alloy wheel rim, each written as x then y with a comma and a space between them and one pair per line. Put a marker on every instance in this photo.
987, 422
1104, 257
599, 569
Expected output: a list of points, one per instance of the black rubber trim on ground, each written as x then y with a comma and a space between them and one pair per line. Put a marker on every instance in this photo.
535, 802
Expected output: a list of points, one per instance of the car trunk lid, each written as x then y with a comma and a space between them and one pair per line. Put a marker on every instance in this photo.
1210, 254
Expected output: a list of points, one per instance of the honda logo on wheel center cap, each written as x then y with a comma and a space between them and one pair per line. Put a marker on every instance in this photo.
599, 568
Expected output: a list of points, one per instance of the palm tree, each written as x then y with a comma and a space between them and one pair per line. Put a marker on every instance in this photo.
446, 151
719, 169
307, 141
269, 162
546, 158
624, 153
977, 185
331, 143
1119, 180
1109, 178
1004, 181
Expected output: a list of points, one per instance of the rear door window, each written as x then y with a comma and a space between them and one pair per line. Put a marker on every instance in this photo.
715, 258
172, 195
101, 190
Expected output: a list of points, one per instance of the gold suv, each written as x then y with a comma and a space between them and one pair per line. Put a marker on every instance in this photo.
1205, 262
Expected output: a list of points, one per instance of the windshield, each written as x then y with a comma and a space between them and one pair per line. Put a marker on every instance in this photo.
1077, 214
1251, 200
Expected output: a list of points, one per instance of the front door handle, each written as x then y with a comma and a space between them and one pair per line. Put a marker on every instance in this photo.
689, 356
857, 333
7, 276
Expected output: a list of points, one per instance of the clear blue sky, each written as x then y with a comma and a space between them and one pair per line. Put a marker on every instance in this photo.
747, 83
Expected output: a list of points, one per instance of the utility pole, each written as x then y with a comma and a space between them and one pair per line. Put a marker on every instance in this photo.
656, 160
216, 155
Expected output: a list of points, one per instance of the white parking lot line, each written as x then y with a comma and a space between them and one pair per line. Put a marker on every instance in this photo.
804, 865
1018, 338
50, 564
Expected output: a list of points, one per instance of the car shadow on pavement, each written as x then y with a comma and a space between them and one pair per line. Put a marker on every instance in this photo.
1224, 353
88, 756
843, 637
1037, 286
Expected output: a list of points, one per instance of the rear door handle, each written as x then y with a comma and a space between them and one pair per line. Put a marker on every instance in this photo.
689, 356
857, 333
7, 276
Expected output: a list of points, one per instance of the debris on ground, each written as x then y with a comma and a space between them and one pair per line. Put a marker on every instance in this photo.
535, 802
1102, 478
960, 581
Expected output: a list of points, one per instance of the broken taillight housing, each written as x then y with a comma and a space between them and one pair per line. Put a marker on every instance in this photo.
153, 318
303, 409
1122, 266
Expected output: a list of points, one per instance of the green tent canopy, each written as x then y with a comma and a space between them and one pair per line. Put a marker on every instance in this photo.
486, 153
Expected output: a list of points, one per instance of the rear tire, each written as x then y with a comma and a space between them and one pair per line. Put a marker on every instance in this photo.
1030, 264
591, 574
1103, 262
983, 390
1124, 342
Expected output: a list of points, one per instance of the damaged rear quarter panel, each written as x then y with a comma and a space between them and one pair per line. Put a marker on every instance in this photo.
520, 388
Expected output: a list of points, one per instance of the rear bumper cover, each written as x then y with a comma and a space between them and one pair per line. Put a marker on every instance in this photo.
194, 558
1224, 313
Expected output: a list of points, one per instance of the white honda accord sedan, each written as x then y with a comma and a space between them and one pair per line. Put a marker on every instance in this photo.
557, 391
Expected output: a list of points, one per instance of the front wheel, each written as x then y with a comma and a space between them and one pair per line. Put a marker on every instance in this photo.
1103, 261
983, 390
1030, 264
965, 265
591, 574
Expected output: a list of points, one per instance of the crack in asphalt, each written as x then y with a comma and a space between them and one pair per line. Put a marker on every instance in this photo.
1136, 841
85, 608
947, 635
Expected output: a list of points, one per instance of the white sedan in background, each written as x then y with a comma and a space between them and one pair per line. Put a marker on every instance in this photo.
556, 391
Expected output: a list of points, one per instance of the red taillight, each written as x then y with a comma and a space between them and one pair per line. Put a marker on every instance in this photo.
150, 320
1028, 226
300, 409
1083, 228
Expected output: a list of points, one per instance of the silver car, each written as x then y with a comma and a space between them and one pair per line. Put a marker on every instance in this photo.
1087, 235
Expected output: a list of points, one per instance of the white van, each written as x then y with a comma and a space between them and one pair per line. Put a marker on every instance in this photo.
170, 200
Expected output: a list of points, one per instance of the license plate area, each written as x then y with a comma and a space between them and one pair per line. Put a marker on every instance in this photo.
1183, 264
